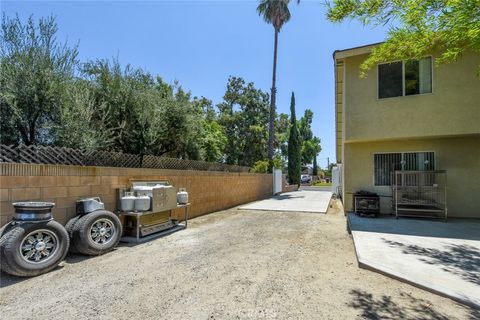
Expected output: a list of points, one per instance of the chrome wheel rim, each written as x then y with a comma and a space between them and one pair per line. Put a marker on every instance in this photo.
39, 246
102, 231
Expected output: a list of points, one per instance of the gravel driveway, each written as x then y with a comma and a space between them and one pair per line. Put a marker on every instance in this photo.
232, 264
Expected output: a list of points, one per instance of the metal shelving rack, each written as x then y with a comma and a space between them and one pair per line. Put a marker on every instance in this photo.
420, 194
166, 228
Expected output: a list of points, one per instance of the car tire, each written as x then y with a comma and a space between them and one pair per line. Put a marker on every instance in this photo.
3, 230
69, 227
97, 232
30, 249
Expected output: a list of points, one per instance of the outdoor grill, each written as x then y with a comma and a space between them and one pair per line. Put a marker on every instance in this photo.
366, 203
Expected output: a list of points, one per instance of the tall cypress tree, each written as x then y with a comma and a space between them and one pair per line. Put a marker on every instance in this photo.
315, 169
294, 151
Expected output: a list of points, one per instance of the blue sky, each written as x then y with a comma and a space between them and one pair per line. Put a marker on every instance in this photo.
202, 43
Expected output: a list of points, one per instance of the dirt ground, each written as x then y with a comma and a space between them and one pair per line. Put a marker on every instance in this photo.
232, 264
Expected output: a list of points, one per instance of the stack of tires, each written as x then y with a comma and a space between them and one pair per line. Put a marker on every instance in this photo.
33, 243
94, 230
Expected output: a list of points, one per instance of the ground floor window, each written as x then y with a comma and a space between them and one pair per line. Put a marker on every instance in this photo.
385, 164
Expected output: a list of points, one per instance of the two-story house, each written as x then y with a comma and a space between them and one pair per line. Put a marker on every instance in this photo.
408, 114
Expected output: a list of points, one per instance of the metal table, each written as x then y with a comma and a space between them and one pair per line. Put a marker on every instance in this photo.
169, 229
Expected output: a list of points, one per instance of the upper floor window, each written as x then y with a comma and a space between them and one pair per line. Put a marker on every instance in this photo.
405, 78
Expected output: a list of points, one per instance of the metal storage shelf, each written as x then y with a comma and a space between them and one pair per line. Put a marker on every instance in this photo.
420, 194
169, 227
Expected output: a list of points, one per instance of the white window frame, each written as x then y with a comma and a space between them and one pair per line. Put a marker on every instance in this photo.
402, 153
403, 79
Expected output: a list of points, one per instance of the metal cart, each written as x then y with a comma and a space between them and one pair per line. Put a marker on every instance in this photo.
420, 194
155, 231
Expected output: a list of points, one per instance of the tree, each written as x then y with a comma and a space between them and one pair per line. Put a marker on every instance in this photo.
35, 69
276, 13
76, 127
417, 27
315, 168
261, 166
282, 128
214, 138
310, 148
214, 142
294, 156
244, 113
144, 114
310, 145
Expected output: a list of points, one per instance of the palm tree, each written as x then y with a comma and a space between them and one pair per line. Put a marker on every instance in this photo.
276, 13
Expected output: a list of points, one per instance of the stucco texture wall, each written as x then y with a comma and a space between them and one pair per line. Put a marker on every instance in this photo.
208, 191
459, 156
453, 108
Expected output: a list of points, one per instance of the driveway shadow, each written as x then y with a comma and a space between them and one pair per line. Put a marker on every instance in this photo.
462, 260
453, 228
286, 197
384, 308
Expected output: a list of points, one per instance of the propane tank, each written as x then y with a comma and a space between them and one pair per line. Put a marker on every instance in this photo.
128, 201
142, 203
182, 196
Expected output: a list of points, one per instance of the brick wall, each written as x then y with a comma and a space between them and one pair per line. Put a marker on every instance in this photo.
208, 191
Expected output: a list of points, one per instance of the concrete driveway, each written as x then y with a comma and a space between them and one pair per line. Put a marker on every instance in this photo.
437, 256
306, 199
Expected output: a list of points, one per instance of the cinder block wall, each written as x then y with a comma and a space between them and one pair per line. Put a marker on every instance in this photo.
209, 191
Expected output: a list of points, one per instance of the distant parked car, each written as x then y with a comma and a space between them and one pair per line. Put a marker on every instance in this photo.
305, 178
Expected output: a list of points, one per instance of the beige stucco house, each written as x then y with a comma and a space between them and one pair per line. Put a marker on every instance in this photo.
407, 110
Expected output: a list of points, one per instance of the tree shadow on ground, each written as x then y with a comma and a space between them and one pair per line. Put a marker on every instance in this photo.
286, 197
384, 308
461, 260
474, 315
453, 229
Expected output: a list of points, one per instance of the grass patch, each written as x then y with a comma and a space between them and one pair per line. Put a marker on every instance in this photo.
322, 184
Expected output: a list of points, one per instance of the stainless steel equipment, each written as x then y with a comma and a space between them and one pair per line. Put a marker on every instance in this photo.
142, 226
143, 191
164, 195
164, 198
154, 218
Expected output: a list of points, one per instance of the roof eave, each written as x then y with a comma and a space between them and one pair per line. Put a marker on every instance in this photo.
341, 54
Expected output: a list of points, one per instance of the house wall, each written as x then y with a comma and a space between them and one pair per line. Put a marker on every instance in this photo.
208, 191
339, 109
452, 109
459, 156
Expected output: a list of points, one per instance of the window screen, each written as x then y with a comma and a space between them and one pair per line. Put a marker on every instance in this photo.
390, 83
385, 164
418, 76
